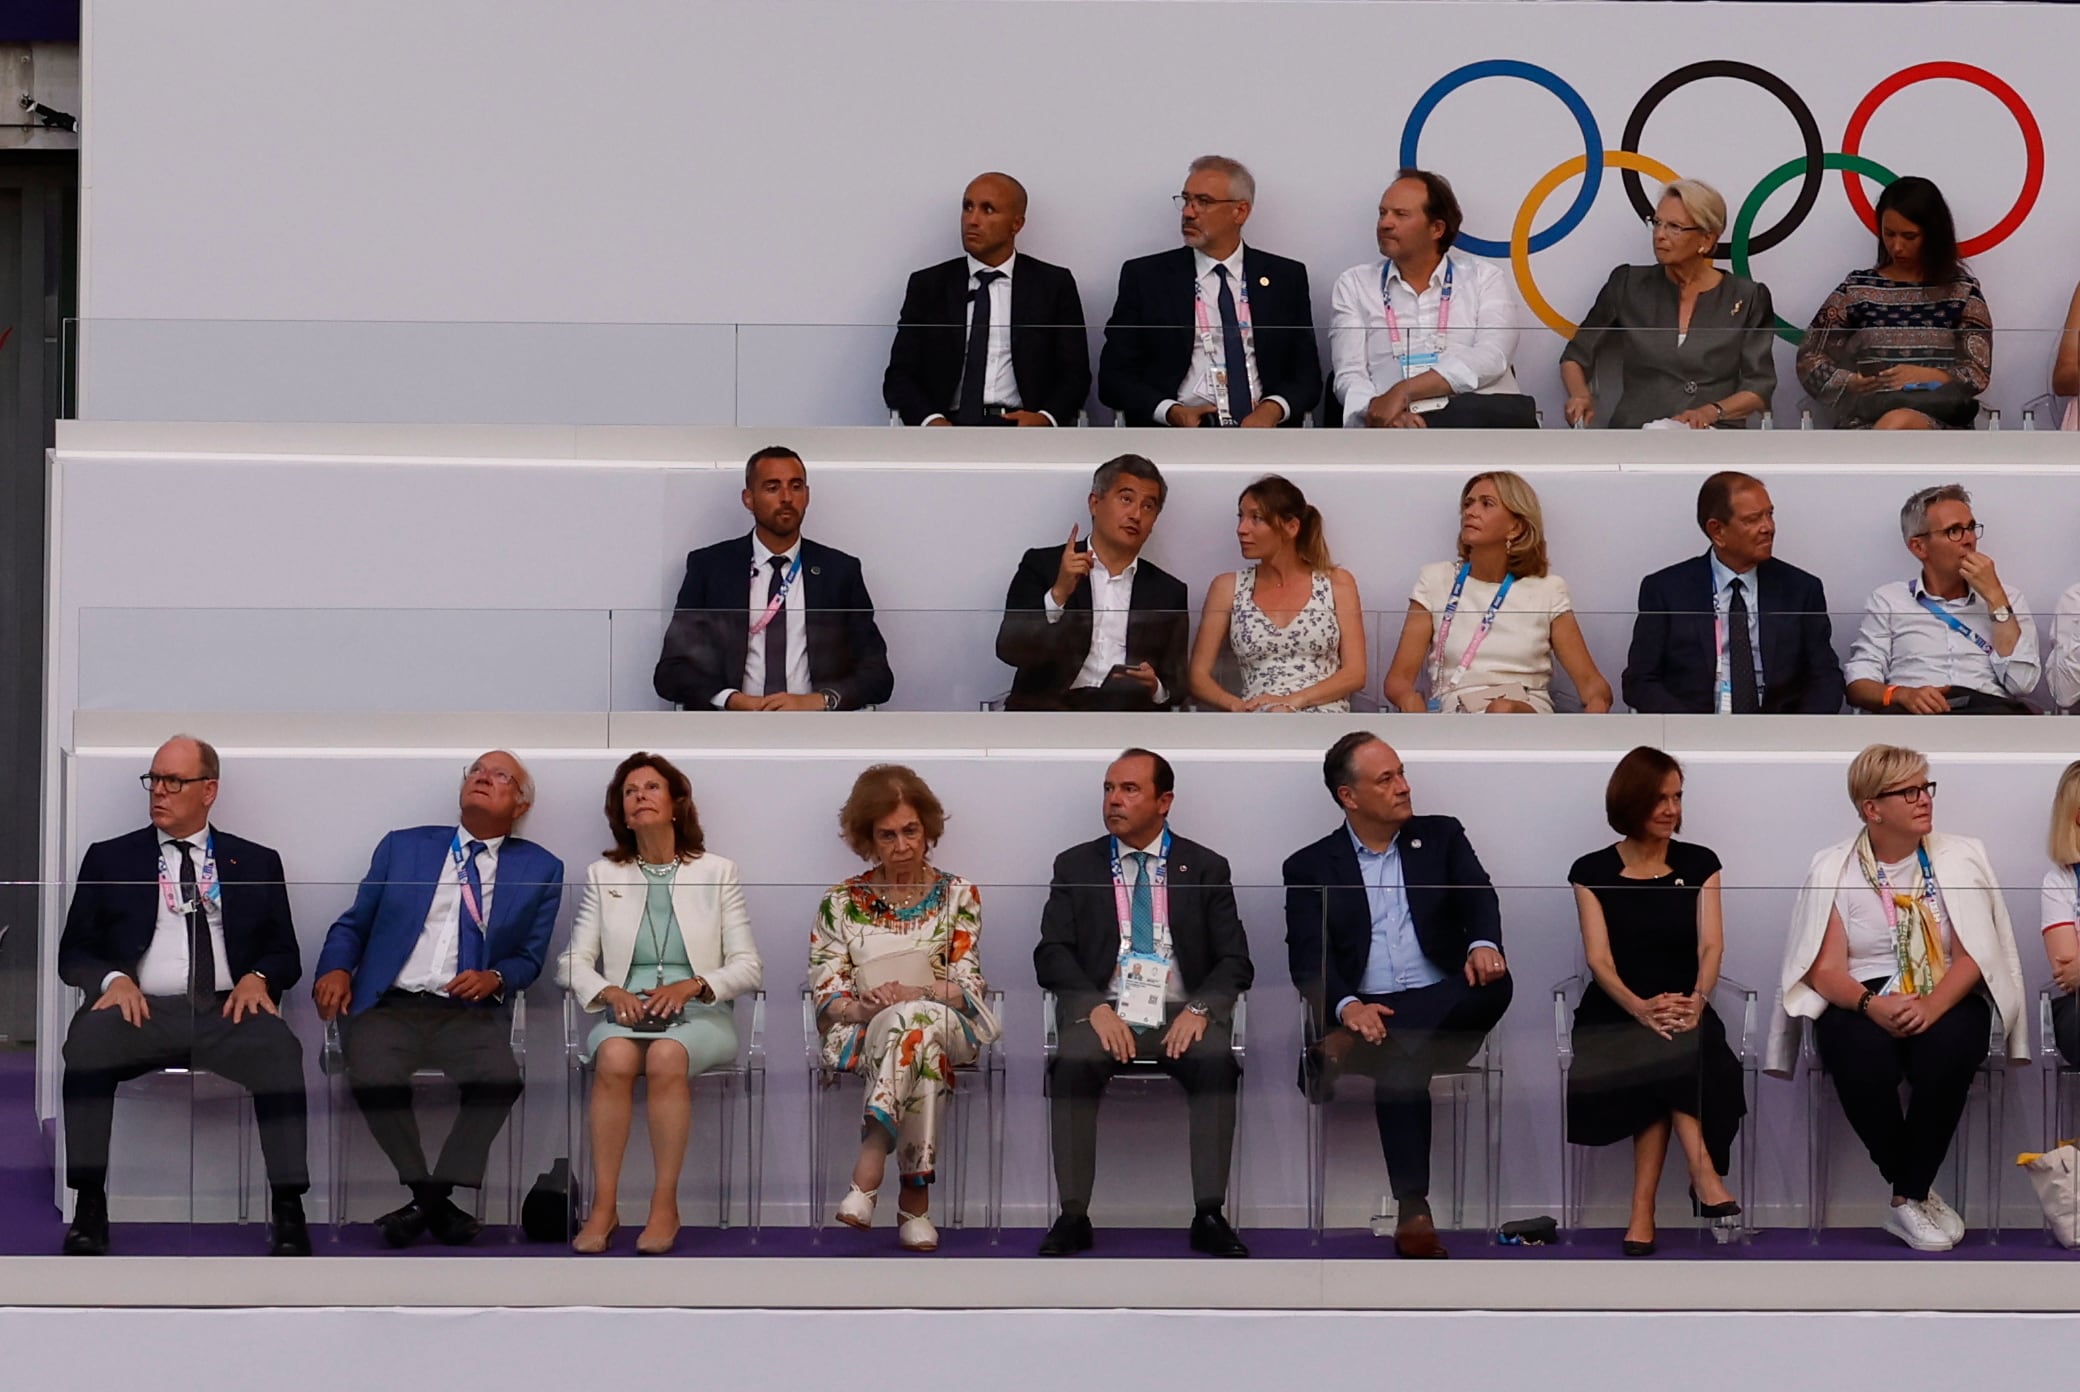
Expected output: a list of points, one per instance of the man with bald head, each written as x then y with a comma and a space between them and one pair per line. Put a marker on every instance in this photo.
1394, 937
449, 925
180, 937
991, 337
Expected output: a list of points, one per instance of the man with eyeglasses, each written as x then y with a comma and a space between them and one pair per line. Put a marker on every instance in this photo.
180, 937
449, 924
1214, 333
1953, 639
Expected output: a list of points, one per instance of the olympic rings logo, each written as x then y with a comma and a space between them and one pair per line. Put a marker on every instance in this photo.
1808, 168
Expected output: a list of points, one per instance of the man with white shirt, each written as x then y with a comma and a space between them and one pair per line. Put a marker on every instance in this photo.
180, 938
1213, 333
1952, 639
994, 336
1092, 624
449, 925
772, 621
1424, 336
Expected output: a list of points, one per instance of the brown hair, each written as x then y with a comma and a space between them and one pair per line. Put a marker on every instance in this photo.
1635, 786
879, 791
687, 841
1283, 502
1715, 497
1526, 557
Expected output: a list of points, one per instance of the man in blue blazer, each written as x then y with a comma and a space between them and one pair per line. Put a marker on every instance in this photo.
1680, 662
772, 620
1211, 313
449, 923
1394, 937
180, 937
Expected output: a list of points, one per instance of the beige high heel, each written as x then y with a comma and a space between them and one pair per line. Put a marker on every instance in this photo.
592, 1244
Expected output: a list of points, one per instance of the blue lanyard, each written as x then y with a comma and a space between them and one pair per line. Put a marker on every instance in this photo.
469, 899
779, 600
1444, 630
1914, 589
1928, 886
1444, 305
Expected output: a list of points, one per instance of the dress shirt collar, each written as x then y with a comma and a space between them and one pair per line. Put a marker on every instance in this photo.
1154, 848
1436, 281
1917, 590
1125, 572
762, 554
976, 268
1363, 850
199, 840
1204, 264
491, 843
1723, 573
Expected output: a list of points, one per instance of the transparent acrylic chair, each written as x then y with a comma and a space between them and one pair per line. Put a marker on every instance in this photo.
834, 1121
1481, 1078
2054, 1071
1739, 1011
333, 1062
205, 1088
1990, 1089
742, 1081
1142, 1072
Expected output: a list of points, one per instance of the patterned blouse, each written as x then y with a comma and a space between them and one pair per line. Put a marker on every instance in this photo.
1872, 322
1279, 661
854, 924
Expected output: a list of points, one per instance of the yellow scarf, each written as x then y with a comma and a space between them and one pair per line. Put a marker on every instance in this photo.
1917, 934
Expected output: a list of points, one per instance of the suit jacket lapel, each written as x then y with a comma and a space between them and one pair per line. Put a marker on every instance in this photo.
737, 629
428, 859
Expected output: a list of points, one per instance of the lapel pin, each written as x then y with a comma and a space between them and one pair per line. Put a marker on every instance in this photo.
1263, 282
1181, 869
1679, 882
1737, 306
1416, 844
615, 893
816, 570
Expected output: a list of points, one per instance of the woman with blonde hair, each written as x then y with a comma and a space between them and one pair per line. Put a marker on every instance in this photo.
1292, 619
1487, 626
2061, 909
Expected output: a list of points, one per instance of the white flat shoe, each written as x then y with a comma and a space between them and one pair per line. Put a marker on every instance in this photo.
1911, 1224
917, 1233
1946, 1217
856, 1209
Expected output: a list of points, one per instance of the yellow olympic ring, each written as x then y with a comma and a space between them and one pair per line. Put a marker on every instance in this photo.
1520, 235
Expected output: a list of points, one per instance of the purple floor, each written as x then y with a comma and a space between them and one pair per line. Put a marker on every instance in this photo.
29, 1226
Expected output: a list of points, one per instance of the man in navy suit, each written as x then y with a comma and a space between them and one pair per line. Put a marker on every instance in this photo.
1213, 333
1394, 937
1689, 654
448, 925
180, 937
994, 336
772, 620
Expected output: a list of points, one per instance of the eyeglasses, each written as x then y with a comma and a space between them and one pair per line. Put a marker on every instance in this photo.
1655, 224
1919, 792
1199, 201
496, 775
1958, 531
167, 782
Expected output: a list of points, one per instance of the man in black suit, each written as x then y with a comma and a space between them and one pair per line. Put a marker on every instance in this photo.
773, 621
1776, 653
1144, 951
991, 337
1090, 625
1394, 937
1188, 322
180, 937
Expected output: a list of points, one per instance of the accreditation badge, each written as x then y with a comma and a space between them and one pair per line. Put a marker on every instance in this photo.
1143, 981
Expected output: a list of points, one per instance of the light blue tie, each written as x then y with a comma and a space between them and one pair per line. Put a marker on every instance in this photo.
1142, 915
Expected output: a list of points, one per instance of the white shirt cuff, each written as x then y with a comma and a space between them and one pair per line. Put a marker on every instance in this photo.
1050, 417
1287, 411
1481, 942
936, 415
1163, 410
112, 978
1054, 611
721, 701
1340, 1005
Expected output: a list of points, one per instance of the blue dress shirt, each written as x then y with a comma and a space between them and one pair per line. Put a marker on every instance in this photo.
1396, 962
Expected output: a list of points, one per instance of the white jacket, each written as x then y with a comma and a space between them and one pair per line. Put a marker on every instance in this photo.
709, 903
1978, 918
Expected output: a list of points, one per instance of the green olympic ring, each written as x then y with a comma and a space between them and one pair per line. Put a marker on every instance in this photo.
1783, 174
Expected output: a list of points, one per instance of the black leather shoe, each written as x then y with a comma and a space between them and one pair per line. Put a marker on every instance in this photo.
287, 1236
1067, 1237
452, 1226
401, 1227
1212, 1235
1637, 1249
88, 1235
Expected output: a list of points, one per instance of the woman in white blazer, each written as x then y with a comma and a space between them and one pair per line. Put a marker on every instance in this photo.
660, 945
1902, 955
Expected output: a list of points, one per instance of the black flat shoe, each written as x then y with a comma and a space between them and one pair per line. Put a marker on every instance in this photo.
88, 1235
1212, 1236
452, 1226
1637, 1249
287, 1233
401, 1227
1067, 1237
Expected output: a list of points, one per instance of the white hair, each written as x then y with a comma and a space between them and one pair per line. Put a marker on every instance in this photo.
1240, 184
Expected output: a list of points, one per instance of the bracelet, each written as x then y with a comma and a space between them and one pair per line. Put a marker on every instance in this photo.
1888, 695
1863, 1007
1716, 406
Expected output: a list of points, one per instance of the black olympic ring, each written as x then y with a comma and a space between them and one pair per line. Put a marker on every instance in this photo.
1809, 186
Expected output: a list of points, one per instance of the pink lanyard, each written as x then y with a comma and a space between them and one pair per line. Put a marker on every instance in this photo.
779, 600
1158, 890
1207, 340
1444, 630
469, 896
206, 886
1444, 307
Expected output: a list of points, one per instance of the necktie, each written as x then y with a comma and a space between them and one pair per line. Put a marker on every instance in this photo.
1142, 913
469, 946
202, 952
776, 634
1740, 652
1234, 357
977, 367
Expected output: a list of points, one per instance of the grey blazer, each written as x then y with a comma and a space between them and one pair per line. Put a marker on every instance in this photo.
1728, 348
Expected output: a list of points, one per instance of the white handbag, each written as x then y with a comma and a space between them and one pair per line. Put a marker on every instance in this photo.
2056, 1177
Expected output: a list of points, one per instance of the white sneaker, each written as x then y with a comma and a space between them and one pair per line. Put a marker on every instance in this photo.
1911, 1224
1946, 1217
856, 1209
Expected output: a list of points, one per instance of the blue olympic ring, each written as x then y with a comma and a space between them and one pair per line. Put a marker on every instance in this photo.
1592, 142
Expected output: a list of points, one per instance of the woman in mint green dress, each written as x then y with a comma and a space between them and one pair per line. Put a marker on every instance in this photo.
660, 946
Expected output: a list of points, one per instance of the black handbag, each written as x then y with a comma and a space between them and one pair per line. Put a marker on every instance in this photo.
545, 1214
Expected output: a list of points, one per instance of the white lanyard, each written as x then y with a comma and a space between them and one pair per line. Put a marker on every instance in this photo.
1444, 629
779, 599
1444, 320
206, 884
1215, 353
469, 896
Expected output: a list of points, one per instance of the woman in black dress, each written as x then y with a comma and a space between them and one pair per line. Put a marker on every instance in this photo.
1650, 1055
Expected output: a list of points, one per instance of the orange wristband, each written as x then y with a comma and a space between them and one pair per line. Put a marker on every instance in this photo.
1888, 695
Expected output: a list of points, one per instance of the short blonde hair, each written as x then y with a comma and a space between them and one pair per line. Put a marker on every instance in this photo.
1879, 767
2065, 806
1701, 203
1527, 552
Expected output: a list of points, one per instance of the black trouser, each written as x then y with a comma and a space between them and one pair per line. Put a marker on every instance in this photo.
1434, 1029
406, 1031
2065, 1029
260, 1053
1868, 1065
1076, 1082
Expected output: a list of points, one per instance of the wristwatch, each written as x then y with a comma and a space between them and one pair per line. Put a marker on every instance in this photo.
1199, 1008
830, 699
2003, 614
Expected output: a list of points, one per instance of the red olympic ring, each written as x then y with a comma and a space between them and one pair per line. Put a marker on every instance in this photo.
2032, 144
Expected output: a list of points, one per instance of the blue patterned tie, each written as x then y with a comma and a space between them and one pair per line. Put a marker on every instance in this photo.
1234, 356
469, 954
1142, 915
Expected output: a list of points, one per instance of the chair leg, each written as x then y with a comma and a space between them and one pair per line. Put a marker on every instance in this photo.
1816, 1155
1491, 1146
819, 1161
1461, 1124
755, 1147
244, 1103
1317, 1171
1996, 1117
954, 1149
336, 1138
725, 1141
993, 1092
579, 1117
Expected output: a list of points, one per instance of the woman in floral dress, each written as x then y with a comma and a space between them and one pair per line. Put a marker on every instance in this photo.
901, 920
